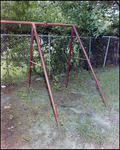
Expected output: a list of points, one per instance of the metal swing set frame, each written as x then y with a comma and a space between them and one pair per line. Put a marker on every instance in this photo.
33, 31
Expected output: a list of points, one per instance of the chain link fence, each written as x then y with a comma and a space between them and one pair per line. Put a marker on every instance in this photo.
15, 52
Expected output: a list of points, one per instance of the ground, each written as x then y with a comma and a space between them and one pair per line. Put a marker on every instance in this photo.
28, 121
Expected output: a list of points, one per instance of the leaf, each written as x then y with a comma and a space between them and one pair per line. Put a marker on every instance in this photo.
26, 138
61, 122
41, 119
19, 123
10, 117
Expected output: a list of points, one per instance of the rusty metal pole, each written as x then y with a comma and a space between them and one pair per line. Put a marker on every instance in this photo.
36, 23
46, 77
90, 67
69, 57
31, 44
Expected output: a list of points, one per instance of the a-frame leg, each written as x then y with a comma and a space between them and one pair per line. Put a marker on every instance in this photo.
31, 44
69, 57
46, 77
90, 67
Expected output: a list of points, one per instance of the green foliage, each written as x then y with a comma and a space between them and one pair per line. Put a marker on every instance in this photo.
16, 54
26, 138
61, 122
93, 18
41, 119
58, 54
56, 84
55, 78
23, 93
19, 123
105, 15
10, 117
16, 62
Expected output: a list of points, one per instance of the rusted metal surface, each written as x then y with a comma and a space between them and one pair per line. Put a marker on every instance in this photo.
46, 77
36, 64
31, 44
69, 56
36, 23
90, 67
78, 58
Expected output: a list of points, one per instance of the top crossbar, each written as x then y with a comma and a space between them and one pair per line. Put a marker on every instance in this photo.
37, 23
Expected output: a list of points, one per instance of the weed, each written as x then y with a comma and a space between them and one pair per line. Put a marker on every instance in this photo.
55, 78
23, 94
10, 117
73, 92
57, 86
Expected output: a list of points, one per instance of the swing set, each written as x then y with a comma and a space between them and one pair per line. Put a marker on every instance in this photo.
73, 29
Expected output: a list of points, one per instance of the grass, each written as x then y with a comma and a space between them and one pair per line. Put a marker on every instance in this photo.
97, 134
109, 82
90, 133
91, 101
23, 94
63, 119
83, 82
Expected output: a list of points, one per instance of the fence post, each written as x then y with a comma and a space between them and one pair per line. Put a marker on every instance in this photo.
106, 52
49, 51
89, 48
7, 61
117, 53
30, 58
69, 56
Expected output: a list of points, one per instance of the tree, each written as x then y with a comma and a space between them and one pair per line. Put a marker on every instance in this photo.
106, 18
93, 18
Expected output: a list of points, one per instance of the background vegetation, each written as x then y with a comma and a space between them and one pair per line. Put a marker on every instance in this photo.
93, 19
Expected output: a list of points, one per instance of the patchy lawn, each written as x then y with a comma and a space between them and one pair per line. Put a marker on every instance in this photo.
28, 121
